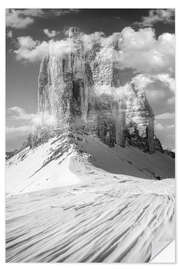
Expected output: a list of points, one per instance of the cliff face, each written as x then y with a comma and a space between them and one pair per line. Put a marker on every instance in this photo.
84, 89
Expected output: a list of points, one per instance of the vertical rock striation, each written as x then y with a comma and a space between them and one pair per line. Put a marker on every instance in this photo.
83, 88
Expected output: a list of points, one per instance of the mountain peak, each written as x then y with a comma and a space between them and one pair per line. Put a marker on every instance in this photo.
78, 90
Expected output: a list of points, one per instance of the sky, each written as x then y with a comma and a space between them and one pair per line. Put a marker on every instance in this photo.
147, 38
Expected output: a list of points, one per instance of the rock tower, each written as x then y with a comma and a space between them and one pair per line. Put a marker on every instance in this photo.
78, 88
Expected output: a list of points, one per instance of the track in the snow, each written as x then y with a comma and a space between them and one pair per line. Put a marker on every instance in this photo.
124, 220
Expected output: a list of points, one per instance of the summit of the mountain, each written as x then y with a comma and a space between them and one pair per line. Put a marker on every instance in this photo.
83, 88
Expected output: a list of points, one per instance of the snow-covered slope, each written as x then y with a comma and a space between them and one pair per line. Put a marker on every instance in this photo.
86, 202
109, 219
59, 163
43, 167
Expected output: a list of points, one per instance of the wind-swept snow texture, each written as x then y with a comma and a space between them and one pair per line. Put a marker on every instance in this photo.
94, 204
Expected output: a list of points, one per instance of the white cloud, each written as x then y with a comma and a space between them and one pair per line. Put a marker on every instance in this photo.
167, 80
165, 116
142, 80
44, 119
61, 47
91, 39
26, 42
26, 122
18, 131
143, 52
158, 126
32, 12
18, 113
143, 39
15, 19
22, 18
33, 50
30, 49
20, 123
171, 126
49, 33
155, 95
158, 15
139, 50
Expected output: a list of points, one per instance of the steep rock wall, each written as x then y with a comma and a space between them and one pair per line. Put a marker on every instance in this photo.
77, 89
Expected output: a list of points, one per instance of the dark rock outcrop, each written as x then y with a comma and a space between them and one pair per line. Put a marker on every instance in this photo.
83, 88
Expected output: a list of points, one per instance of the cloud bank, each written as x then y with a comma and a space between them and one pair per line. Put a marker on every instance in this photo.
22, 18
50, 34
158, 15
140, 50
25, 123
